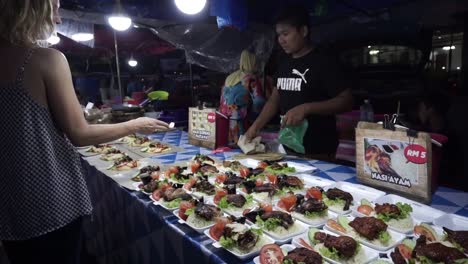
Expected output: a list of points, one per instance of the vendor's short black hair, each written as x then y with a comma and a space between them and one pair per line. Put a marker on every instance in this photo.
294, 15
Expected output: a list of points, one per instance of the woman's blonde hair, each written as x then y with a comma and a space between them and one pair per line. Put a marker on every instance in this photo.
26, 22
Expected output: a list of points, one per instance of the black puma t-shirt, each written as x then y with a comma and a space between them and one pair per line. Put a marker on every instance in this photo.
314, 77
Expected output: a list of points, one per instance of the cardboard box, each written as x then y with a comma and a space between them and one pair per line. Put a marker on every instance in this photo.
207, 128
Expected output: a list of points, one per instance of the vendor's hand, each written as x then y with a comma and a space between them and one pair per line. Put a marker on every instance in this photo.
294, 116
146, 125
251, 133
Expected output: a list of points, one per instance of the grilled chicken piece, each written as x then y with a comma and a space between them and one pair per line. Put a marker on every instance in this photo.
345, 245
151, 186
172, 194
387, 208
246, 239
204, 186
252, 215
368, 227
257, 171
233, 179
149, 169
335, 193
267, 187
436, 252
311, 205
277, 166
459, 237
236, 199
286, 219
207, 211
289, 181
207, 168
203, 159
304, 255
397, 257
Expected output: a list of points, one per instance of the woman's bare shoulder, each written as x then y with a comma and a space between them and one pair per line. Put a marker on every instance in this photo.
49, 60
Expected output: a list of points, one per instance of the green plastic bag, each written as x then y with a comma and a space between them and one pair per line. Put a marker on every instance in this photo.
293, 136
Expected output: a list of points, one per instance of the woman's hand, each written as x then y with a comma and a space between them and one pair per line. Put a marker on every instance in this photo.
251, 133
146, 125
294, 116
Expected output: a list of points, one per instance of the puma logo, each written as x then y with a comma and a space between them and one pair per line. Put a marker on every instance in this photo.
302, 75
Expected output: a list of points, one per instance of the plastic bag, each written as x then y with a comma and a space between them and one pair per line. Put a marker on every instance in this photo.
293, 136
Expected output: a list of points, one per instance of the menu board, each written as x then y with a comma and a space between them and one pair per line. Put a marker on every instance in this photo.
394, 161
202, 127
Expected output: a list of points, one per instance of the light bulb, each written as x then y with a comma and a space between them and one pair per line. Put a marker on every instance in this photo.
81, 37
120, 22
53, 40
132, 62
190, 7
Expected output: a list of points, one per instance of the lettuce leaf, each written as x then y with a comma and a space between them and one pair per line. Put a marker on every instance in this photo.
190, 211
223, 203
282, 171
336, 202
270, 224
330, 253
384, 237
315, 214
227, 242
405, 211
174, 203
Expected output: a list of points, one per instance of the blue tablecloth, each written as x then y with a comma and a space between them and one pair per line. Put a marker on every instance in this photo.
127, 228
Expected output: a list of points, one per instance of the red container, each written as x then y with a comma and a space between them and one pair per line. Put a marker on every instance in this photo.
222, 130
437, 158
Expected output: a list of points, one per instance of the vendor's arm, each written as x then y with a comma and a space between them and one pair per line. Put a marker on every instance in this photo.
341, 103
67, 112
268, 112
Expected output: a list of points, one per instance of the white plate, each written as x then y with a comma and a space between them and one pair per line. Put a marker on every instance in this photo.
358, 192
452, 222
408, 230
315, 223
370, 253
199, 230
161, 203
300, 168
265, 240
396, 238
285, 248
421, 212
314, 181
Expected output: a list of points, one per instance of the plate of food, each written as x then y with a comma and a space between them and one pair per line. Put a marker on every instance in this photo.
309, 209
456, 237
421, 212
241, 240
396, 215
235, 203
146, 173
287, 254
339, 197
370, 231
197, 214
200, 186
156, 148
336, 249
421, 250
278, 167
125, 163
97, 149
171, 198
277, 224
112, 155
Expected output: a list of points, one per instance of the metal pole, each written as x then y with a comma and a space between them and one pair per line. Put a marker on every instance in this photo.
118, 67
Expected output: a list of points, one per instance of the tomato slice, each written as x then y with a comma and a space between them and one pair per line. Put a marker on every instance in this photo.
267, 207
183, 207
314, 193
164, 186
244, 172
220, 193
157, 194
195, 166
405, 251
365, 209
272, 178
221, 178
262, 165
174, 169
188, 186
271, 254
167, 174
217, 230
288, 201
259, 182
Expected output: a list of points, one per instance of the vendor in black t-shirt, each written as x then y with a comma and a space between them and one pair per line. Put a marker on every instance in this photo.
309, 85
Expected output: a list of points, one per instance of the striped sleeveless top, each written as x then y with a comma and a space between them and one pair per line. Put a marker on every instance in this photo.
42, 185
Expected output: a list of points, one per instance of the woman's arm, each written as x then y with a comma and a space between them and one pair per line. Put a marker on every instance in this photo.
67, 112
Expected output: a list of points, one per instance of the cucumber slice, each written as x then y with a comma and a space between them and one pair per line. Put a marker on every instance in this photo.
366, 202
144, 149
344, 222
409, 243
311, 235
